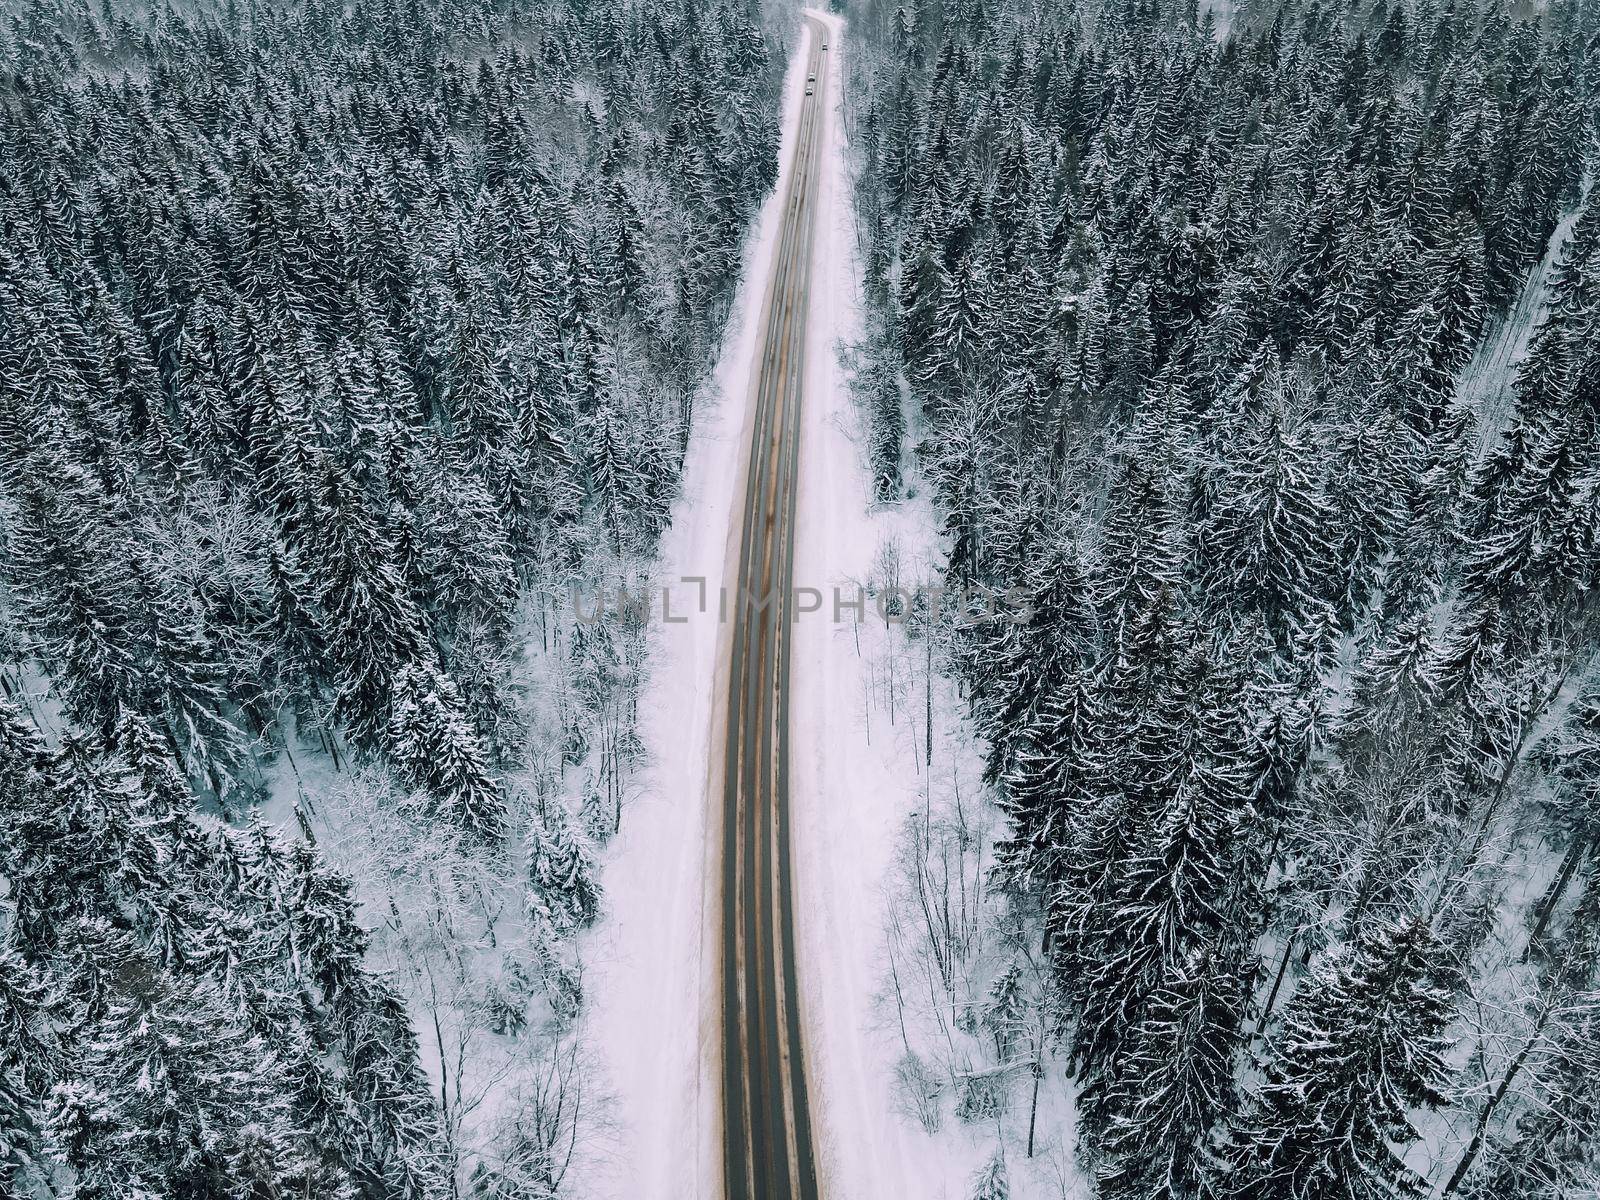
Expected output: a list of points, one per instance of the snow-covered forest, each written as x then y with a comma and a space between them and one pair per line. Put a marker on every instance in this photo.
1265, 358
335, 339
1256, 344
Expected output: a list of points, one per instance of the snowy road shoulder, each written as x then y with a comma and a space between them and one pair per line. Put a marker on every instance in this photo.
652, 965
854, 783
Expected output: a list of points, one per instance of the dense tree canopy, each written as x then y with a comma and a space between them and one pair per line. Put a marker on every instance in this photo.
328, 333
1263, 354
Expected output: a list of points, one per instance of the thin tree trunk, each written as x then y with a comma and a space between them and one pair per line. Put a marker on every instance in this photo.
1481, 1131
1272, 996
1033, 1109
1551, 900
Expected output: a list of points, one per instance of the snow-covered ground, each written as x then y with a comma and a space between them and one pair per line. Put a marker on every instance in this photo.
864, 706
852, 784
652, 969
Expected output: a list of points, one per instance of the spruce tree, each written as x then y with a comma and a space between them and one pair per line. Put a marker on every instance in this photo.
1176, 1084
1363, 1046
562, 872
435, 748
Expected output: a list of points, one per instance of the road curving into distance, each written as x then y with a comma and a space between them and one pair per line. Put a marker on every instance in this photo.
768, 1152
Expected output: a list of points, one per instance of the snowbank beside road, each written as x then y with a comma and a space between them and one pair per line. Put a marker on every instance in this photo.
864, 704
856, 775
652, 967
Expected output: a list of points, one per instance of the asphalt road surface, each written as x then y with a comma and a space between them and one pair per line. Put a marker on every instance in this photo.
767, 1123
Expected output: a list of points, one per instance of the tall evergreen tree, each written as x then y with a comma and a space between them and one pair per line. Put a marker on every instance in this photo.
1363, 1046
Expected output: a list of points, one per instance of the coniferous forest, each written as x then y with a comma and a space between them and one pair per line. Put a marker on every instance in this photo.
1256, 343
1264, 356
333, 337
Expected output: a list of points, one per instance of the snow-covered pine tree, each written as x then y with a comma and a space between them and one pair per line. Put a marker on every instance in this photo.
1363, 1046
1059, 775
436, 750
1177, 1083
372, 628
1174, 898
561, 871
992, 1182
